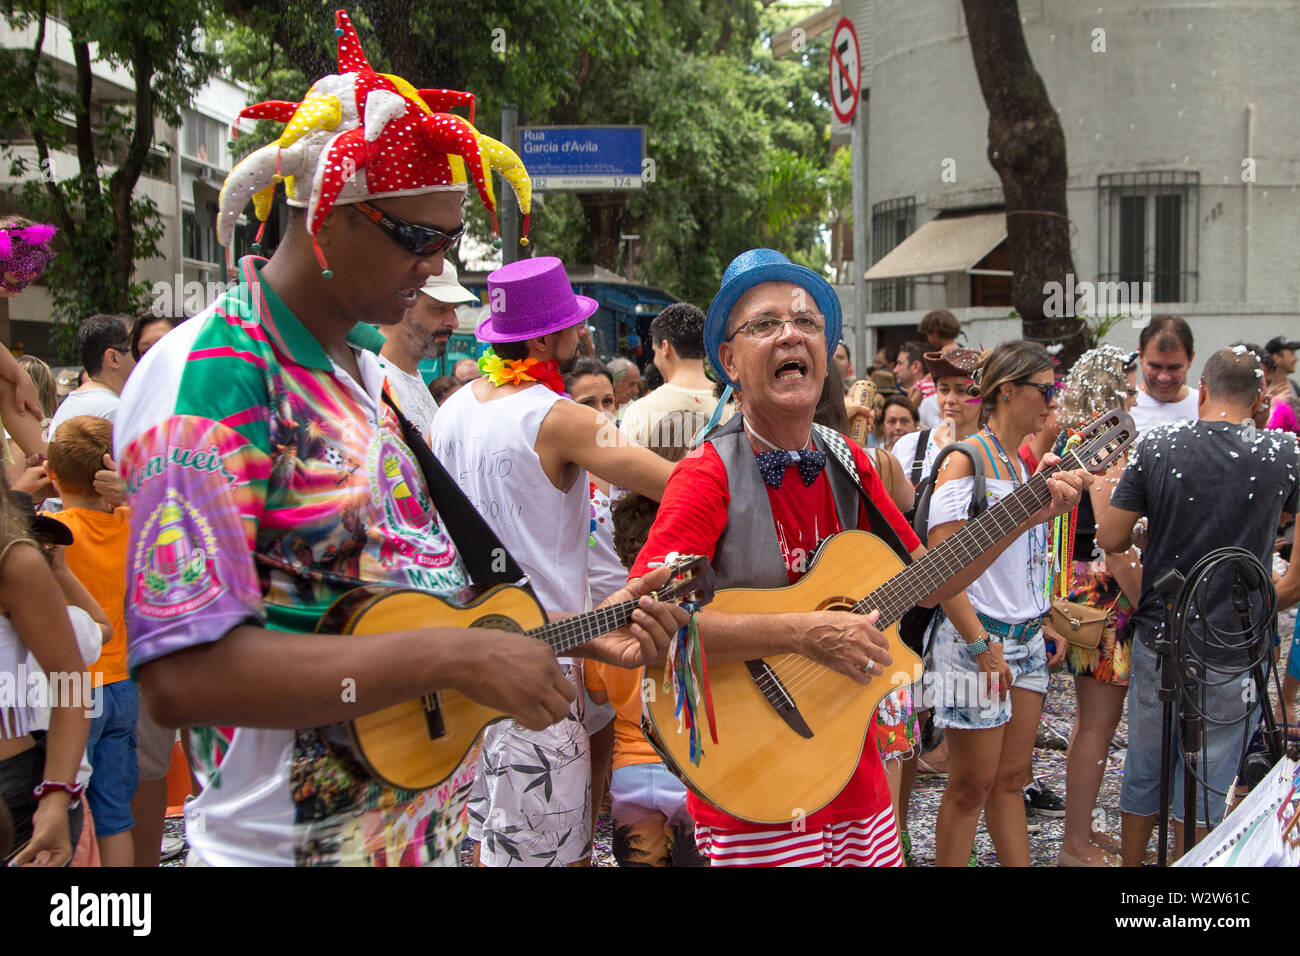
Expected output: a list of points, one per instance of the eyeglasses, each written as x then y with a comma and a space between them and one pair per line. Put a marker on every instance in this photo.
416, 239
1049, 391
807, 324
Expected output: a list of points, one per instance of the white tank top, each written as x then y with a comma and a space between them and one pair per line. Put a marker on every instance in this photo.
488, 449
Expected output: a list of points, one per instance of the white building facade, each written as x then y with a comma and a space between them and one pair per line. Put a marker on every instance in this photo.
1183, 145
184, 184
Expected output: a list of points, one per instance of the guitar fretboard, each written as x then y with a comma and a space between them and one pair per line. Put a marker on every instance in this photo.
900, 593
563, 636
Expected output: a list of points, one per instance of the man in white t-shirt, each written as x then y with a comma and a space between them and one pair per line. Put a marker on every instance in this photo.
106, 354
677, 334
1165, 349
423, 333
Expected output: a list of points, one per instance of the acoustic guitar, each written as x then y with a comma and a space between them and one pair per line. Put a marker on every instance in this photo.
419, 743
791, 731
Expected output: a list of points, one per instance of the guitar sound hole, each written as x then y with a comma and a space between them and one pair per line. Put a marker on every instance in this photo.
836, 603
498, 622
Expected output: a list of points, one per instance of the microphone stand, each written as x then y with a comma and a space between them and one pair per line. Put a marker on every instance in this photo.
1168, 586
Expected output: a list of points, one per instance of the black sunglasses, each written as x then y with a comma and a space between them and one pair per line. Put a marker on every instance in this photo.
416, 239
1049, 391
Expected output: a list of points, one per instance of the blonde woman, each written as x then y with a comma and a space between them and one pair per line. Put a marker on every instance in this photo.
1100, 380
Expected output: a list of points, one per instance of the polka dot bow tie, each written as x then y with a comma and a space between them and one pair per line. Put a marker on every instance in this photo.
774, 463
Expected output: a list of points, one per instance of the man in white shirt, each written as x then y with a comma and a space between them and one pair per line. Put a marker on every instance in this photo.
677, 334
423, 333
106, 354
1165, 350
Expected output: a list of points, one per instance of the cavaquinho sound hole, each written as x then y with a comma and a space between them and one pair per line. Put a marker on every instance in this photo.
498, 622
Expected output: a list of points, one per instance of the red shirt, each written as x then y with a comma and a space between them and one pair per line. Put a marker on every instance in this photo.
690, 520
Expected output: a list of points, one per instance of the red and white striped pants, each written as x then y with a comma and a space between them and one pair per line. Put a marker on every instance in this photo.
871, 842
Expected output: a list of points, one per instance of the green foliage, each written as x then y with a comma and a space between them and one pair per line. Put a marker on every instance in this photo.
739, 139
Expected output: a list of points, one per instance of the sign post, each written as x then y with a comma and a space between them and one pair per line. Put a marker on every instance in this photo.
846, 71
583, 158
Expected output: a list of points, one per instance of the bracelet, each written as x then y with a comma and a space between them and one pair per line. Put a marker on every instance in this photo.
74, 790
980, 646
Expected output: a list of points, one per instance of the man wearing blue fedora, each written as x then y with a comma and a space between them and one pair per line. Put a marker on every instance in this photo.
758, 497
522, 452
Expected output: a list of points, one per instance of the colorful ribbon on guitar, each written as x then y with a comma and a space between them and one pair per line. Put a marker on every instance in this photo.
687, 674
1061, 553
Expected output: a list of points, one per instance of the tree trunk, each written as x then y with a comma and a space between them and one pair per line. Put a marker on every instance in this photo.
1027, 150
91, 198
122, 183
605, 213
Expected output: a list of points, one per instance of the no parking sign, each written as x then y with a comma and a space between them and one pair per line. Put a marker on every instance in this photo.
846, 71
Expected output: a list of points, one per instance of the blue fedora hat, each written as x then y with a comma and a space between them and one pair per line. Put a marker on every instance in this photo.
754, 268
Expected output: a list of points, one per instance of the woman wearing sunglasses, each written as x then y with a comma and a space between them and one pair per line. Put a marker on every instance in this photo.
994, 685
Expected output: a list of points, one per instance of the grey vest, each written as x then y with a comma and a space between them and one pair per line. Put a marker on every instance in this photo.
748, 553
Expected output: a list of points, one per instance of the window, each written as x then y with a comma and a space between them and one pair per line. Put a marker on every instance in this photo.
1147, 231
892, 221
203, 139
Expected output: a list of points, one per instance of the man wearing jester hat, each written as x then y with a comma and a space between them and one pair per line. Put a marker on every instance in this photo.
267, 423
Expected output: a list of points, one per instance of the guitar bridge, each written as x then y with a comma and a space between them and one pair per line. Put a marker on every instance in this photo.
777, 695
433, 716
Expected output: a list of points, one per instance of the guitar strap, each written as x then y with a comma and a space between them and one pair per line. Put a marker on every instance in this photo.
880, 525
918, 460
479, 547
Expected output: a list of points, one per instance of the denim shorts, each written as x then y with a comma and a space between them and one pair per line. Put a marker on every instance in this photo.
1218, 759
110, 748
19, 776
956, 689
642, 788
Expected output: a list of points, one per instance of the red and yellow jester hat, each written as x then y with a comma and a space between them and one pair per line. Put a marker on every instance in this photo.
358, 135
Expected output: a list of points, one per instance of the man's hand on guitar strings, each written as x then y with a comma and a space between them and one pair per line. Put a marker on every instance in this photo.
848, 643
645, 639
515, 674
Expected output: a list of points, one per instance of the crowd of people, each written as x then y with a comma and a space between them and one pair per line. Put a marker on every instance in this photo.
182, 529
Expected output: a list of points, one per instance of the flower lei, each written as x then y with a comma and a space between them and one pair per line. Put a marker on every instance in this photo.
521, 372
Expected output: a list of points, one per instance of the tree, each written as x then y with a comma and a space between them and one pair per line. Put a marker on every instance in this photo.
105, 226
1027, 150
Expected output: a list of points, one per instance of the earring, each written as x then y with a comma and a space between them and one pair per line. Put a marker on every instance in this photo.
1006, 398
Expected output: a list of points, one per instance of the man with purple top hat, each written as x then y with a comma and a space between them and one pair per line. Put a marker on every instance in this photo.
758, 497
522, 452
261, 422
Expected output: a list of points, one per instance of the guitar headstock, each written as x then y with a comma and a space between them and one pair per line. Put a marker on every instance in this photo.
691, 580
1104, 439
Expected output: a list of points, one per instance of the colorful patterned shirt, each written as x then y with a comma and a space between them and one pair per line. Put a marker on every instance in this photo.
264, 483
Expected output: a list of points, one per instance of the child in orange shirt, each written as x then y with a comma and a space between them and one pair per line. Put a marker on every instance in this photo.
98, 558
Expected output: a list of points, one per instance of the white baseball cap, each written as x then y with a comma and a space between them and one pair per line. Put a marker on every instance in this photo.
447, 288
